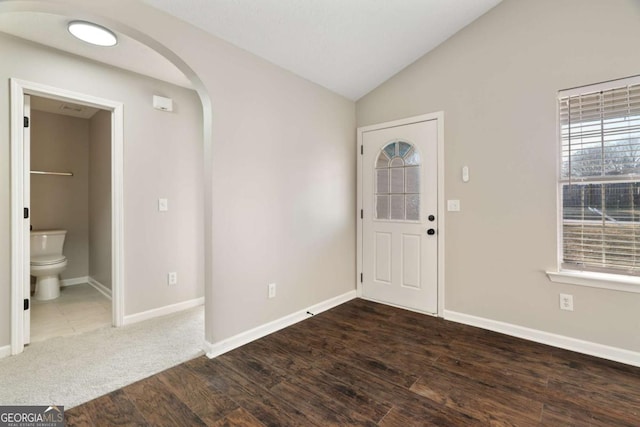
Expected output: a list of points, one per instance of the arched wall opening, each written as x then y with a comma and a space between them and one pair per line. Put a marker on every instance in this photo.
119, 27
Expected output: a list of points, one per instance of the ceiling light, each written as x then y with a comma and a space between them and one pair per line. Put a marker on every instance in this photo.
92, 33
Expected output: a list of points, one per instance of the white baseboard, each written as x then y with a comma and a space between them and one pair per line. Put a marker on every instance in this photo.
561, 341
221, 347
5, 351
162, 311
99, 287
75, 281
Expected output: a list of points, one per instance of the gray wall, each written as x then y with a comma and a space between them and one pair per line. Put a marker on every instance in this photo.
280, 162
162, 158
497, 81
100, 198
61, 144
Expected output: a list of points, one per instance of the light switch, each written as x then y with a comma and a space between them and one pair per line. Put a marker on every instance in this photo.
163, 205
453, 205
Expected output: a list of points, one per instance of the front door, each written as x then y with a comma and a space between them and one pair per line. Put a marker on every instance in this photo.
400, 224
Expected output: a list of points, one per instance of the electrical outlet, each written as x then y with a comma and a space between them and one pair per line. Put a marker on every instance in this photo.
566, 302
172, 278
272, 290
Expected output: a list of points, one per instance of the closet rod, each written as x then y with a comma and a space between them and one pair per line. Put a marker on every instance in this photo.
52, 173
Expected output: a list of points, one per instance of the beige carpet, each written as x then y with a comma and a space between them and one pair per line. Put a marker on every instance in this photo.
75, 369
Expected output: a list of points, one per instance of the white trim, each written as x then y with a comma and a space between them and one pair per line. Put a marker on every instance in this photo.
221, 347
616, 282
99, 287
439, 117
73, 282
597, 87
359, 207
441, 213
117, 215
17, 204
20, 88
5, 351
561, 341
162, 311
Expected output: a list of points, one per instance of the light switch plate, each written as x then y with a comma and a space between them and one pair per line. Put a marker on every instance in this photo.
453, 205
163, 205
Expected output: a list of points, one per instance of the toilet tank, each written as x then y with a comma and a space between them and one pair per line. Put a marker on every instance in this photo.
47, 242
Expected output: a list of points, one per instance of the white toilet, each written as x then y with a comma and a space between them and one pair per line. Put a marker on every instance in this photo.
47, 262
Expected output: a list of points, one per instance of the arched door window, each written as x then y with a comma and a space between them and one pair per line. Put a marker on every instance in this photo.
397, 187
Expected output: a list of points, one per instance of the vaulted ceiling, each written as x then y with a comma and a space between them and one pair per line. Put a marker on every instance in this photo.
347, 46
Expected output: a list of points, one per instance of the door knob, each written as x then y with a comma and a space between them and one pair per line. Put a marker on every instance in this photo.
431, 218
431, 232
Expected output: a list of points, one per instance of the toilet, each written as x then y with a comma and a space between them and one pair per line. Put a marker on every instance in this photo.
47, 262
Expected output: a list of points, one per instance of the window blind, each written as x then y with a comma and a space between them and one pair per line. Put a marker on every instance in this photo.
600, 178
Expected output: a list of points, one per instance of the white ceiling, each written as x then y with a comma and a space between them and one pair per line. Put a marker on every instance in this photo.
347, 46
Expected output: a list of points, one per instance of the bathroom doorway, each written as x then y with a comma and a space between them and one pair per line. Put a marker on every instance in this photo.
73, 145
70, 191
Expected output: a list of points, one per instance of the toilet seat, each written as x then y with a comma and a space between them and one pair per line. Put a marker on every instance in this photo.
48, 259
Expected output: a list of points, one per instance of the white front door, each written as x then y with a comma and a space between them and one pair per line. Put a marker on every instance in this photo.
400, 208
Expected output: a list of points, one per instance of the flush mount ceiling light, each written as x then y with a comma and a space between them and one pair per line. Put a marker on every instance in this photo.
92, 33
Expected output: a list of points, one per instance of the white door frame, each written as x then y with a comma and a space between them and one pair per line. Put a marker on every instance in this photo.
19, 88
439, 117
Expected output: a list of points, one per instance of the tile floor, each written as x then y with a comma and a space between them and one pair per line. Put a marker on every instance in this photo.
80, 308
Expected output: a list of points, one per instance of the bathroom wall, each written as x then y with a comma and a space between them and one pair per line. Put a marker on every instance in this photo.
61, 144
100, 198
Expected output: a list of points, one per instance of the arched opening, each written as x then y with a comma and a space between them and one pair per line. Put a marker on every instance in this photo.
198, 86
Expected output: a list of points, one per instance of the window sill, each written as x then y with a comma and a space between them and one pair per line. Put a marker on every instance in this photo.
596, 280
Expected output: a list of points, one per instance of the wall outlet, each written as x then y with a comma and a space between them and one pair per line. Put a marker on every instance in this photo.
272, 290
566, 302
172, 278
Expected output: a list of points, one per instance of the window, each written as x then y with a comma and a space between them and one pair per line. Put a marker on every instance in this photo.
398, 182
600, 177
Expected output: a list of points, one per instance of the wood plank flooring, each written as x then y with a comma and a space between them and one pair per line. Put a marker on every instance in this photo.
367, 364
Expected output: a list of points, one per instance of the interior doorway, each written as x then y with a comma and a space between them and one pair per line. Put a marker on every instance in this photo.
70, 217
21, 305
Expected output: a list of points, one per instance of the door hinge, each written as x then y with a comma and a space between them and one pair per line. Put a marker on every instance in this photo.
361, 214
361, 149
26, 213
26, 121
26, 303
360, 277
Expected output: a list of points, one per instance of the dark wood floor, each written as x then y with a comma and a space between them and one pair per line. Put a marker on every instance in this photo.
368, 364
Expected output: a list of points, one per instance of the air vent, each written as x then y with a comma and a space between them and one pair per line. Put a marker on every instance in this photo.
74, 108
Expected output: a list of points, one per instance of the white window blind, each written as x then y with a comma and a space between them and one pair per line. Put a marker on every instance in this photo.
600, 177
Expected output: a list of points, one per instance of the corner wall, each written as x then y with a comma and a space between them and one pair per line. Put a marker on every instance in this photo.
61, 144
496, 82
280, 160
